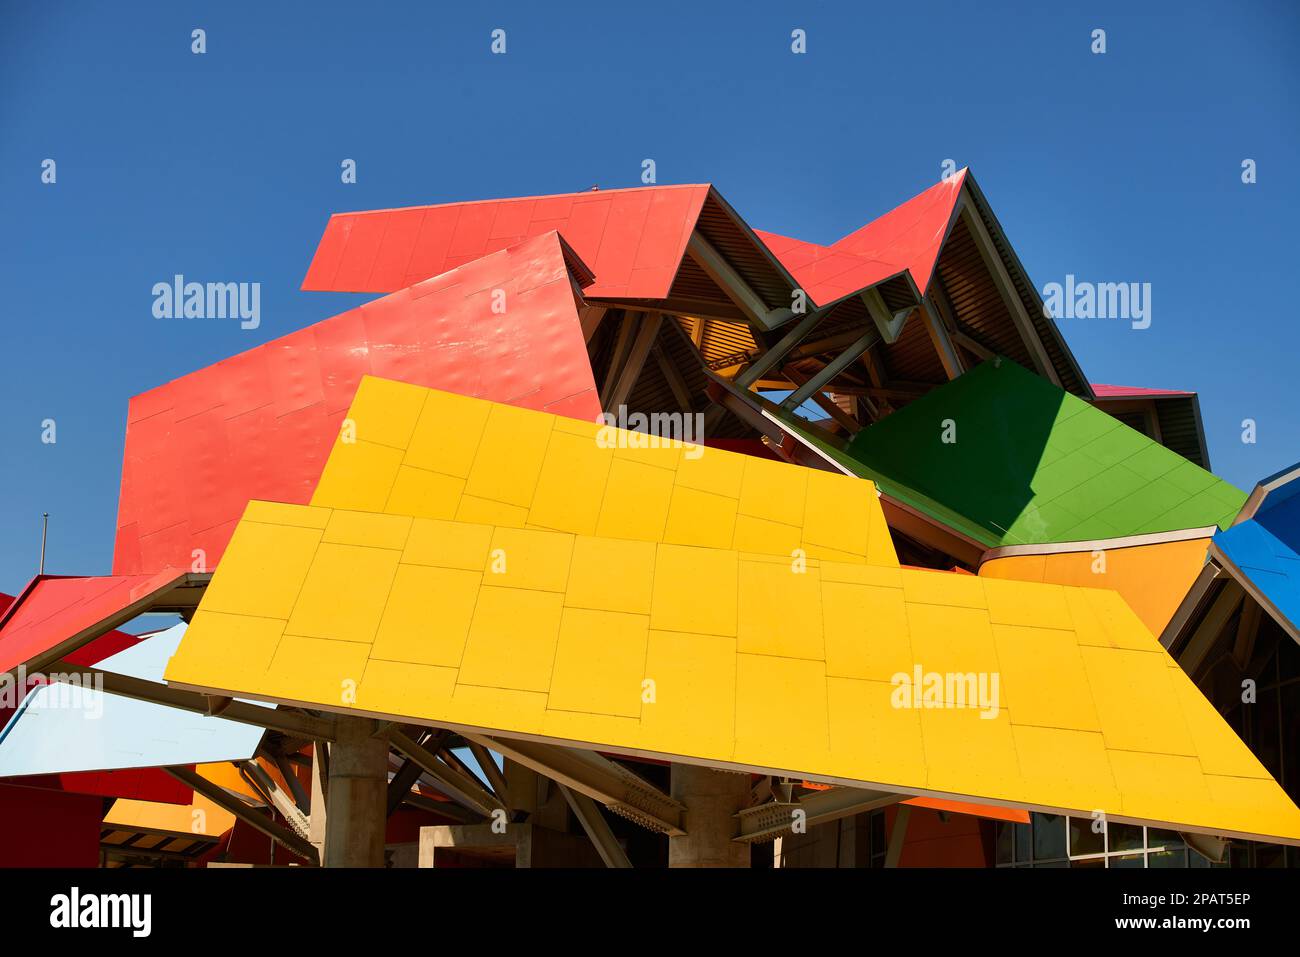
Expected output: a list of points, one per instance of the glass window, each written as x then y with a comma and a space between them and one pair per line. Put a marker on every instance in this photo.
1124, 837
1267, 743
1022, 842
1126, 860
1168, 858
1270, 855
1049, 836
1157, 837
1003, 842
1084, 839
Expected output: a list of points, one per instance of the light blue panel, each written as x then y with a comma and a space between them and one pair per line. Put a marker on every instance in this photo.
60, 728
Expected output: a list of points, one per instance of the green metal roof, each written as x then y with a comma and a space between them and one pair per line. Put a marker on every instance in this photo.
1030, 464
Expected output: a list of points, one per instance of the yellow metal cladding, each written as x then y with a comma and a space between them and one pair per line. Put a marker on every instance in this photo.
729, 658
411, 451
1153, 579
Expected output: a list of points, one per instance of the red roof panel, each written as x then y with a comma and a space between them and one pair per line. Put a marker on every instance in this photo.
1133, 392
39, 607
261, 424
52, 609
827, 275
633, 239
910, 235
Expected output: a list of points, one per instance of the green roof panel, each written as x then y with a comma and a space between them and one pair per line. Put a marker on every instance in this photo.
1007, 458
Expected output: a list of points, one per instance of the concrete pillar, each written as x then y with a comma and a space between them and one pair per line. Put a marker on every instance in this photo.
358, 796
319, 783
712, 798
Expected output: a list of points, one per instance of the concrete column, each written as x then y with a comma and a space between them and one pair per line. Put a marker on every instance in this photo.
319, 783
712, 798
358, 796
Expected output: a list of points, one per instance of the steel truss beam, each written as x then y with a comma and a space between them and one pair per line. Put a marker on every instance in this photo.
218, 796
767, 821
597, 828
622, 791
274, 719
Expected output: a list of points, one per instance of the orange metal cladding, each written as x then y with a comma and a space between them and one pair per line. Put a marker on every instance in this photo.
1152, 578
633, 239
990, 811
261, 424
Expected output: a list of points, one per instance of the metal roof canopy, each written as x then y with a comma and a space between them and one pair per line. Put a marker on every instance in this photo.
529, 629
270, 627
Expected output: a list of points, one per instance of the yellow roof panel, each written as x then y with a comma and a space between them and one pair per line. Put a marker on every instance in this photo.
406, 450
1087, 715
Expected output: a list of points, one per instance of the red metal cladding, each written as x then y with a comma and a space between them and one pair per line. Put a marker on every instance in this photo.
260, 425
43, 829
136, 784
910, 235
1134, 392
52, 609
93, 653
827, 275
633, 239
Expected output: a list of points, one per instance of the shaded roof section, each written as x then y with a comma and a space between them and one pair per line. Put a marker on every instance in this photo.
1029, 464
260, 424
57, 617
1171, 417
909, 235
547, 649
58, 729
633, 239
1265, 547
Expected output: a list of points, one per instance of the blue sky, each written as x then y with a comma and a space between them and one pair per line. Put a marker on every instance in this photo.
224, 167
